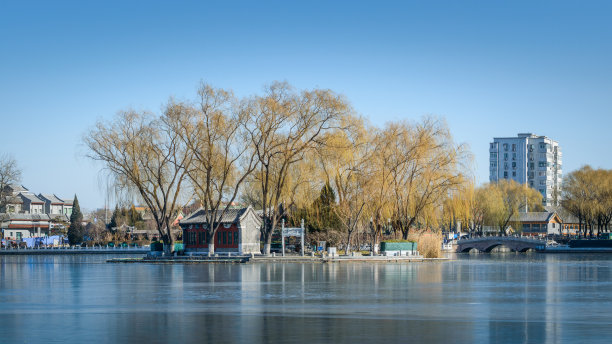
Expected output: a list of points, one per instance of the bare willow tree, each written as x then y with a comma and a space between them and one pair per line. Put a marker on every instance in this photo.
285, 126
343, 159
425, 166
145, 157
214, 133
587, 194
9, 174
378, 189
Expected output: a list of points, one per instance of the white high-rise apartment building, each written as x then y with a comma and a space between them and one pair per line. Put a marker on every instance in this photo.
528, 158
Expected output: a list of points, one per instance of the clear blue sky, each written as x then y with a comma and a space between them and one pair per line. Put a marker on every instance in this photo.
491, 68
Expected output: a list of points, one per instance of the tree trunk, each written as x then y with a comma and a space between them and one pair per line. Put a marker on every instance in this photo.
348, 242
267, 243
168, 244
211, 242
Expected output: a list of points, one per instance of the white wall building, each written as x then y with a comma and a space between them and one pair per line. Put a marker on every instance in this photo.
531, 159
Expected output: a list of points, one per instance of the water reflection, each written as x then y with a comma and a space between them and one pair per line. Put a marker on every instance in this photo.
484, 298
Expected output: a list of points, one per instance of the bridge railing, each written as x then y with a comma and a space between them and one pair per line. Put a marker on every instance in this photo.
500, 238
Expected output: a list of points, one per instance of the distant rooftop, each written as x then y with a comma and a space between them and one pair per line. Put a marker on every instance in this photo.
25, 217
524, 135
51, 198
31, 197
66, 201
17, 188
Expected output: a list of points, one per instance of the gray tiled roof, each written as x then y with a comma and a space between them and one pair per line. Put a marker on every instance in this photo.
542, 216
17, 188
199, 216
51, 198
565, 215
31, 197
65, 200
25, 217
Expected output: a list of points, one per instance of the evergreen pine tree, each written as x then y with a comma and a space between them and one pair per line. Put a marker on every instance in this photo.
75, 231
324, 217
113, 221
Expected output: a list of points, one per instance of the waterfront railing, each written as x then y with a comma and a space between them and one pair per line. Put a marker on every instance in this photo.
78, 248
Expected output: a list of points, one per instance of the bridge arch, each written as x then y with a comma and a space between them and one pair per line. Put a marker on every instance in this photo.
497, 244
487, 244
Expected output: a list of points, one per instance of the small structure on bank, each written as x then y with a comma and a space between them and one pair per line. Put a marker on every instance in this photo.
22, 226
403, 248
239, 232
539, 223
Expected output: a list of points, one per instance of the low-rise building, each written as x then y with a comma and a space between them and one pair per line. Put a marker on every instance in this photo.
13, 204
539, 223
22, 226
239, 231
53, 205
32, 204
15, 189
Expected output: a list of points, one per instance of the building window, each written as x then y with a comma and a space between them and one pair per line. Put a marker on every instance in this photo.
236, 238
513, 156
513, 164
514, 173
505, 146
506, 174
514, 147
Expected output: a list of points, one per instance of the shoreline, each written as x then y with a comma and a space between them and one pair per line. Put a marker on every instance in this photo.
271, 259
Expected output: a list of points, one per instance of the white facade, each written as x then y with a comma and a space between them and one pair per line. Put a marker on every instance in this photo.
528, 159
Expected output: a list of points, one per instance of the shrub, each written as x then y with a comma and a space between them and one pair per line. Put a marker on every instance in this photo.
429, 243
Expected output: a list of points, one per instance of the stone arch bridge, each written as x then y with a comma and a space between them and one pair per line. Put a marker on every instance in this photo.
486, 244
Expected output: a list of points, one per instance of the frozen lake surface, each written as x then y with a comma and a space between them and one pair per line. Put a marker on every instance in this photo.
503, 298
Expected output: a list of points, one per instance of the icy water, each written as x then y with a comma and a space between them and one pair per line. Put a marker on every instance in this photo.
504, 298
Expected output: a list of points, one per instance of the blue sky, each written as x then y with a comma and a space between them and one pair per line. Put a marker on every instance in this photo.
491, 68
